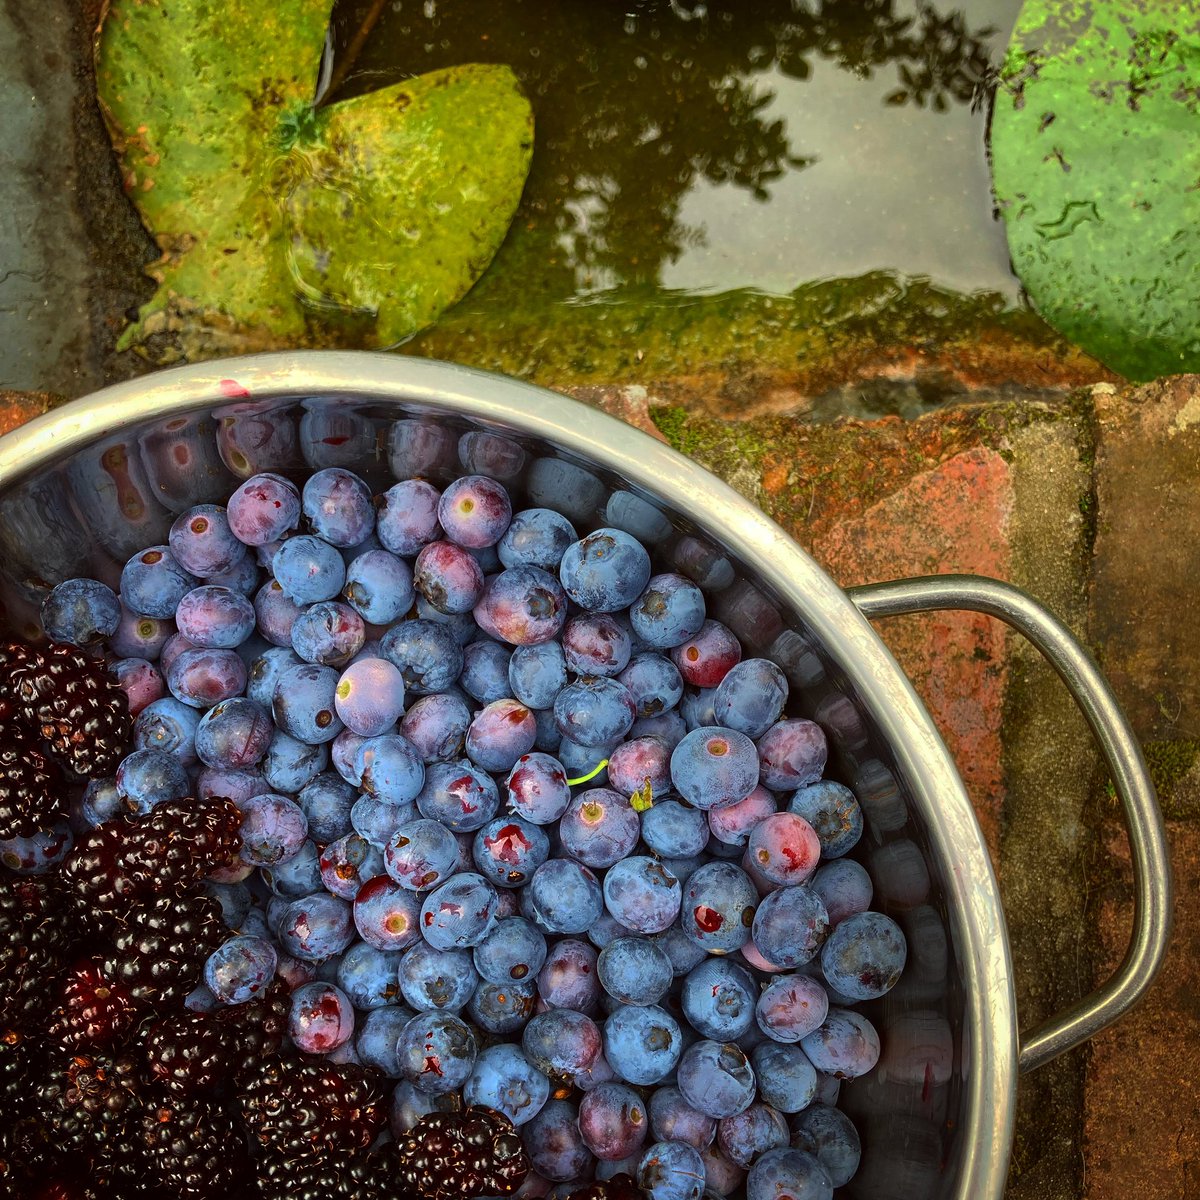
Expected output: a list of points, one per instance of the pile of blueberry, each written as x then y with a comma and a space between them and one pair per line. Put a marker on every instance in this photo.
521, 826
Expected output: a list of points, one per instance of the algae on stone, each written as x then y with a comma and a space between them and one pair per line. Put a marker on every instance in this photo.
282, 223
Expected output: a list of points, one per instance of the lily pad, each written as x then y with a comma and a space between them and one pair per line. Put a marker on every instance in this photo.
1096, 167
282, 223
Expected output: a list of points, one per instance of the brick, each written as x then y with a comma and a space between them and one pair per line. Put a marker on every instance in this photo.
1147, 554
18, 407
1142, 1111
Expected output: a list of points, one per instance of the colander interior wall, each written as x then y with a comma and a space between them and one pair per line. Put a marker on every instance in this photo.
934, 1122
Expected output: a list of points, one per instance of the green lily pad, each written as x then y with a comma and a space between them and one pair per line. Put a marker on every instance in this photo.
283, 223
1096, 167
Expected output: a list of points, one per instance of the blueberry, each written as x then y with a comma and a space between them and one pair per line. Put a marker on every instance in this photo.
668, 612
642, 894
522, 606
791, 754
204, 543
671, 1171
276, 613
643, 1044
436, 726
425, 653
168, 725
273, 829
81, 611
536, 788
437, 979
834, 814
716, 1078
303, 704
787, 1081
561, 1042
536, 537
500, 734
788, 1172
554, 1145
599, 828
153, 583
706, 657
148, 777
308, 569
386, 915
140, 680
596, 644
348, 863
790, 926
485, 671
448, 576
203, 678
634, 970
672, 829
507, 850
713, 767
240, 968
264, 509
233, 734
791, 1007
784, 849
718, 906
594, 712
437, 1052
138, 636
502, 1008
376, 1035
379, 586
829, 1135
748, 1135
605, 571
613, 1121
459, 795
321, 1018
844, 887
512, 951
846, 1045
475, 511
459, 913
673, 1119
536, 674
338, 507
421, 855
407, 517
329, 633
326, 803
368, 976
718, 1000
565, 896
864, 956
290, 765
316, 927
751, 697
215, 617
505, 1080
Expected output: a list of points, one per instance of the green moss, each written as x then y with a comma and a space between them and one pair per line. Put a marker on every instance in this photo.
649, 335
1170, 762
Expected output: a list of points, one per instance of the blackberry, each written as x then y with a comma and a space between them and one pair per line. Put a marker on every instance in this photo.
476, 1152
619, 1187
31, 792
90, 1099
93, 1010
194, 1149
292, 1107
369, 1175
191, 1054
257, 1028
35, 944
168, 850
158, 952
75, 704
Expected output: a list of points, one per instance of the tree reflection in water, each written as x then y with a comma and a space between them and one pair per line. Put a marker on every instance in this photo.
637, 102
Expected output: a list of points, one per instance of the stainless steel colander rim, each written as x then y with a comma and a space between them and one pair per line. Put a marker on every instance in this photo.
977, 921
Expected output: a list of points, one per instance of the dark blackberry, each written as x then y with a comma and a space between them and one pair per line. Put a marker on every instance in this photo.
76, 705
191, 1054
158, 951
293, 1107
476, 1152
93, 1009
35, 944
168, 850
257, 1028
88, 1099
31, 793
619, 1187
194, 1148
369, 1175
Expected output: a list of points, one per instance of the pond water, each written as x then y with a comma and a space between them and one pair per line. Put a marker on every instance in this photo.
719, 166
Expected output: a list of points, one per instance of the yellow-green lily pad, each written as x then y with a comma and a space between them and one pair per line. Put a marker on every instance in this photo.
1096, 166
281, 223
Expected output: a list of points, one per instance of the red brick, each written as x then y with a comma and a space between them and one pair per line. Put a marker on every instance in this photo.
1142, 1122
949, 519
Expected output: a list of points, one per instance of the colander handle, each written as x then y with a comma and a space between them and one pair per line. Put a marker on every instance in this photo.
1143, 820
